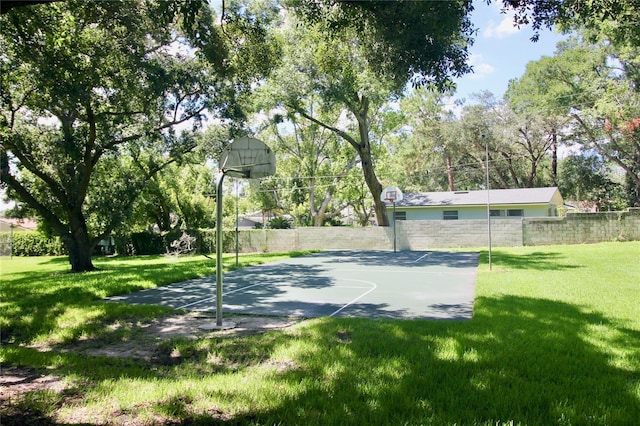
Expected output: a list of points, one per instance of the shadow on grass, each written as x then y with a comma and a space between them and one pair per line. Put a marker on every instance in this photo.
539, 260
525, 360
36, 301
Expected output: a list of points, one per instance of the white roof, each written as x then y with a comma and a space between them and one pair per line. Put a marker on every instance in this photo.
472, 198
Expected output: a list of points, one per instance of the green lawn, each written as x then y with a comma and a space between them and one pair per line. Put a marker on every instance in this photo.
555, 340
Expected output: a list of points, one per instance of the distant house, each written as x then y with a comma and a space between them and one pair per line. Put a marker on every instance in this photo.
460, 205
17, 225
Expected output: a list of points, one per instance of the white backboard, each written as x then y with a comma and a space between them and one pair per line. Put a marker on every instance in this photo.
249, 158
391, 194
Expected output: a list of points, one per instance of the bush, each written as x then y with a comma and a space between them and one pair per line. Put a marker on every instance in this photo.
147, 242
150, 243
208, 241
36, 244
279, 223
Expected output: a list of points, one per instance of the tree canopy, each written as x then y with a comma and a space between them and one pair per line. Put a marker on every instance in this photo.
96, 98
419, 41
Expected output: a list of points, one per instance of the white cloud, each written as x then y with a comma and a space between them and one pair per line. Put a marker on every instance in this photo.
481, 68
504, 29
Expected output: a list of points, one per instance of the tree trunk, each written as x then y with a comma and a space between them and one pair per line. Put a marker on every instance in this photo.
80, 251
363, 147
366, 160
78, 243
554, 156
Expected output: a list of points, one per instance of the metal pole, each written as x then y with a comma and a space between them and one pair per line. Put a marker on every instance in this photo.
488, 199
394, 226
11, 241
237, 220
219, 249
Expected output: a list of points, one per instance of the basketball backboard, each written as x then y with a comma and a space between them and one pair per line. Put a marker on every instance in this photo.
249, 158
391, 194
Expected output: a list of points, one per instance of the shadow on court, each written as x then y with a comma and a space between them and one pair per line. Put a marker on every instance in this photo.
406, 259
430, 285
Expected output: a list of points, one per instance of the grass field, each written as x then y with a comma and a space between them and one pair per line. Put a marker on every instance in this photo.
555, 340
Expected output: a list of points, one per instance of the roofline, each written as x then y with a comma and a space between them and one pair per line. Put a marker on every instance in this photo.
472, 205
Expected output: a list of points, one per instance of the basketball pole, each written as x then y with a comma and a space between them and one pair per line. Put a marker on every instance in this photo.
237, 223
394, 225
219, 249
486, 141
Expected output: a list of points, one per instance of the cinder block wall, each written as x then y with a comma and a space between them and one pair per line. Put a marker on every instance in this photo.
576, 228
316, 238
580, 228
428, 234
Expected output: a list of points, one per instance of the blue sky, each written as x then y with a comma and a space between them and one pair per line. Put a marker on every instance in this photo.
501, 51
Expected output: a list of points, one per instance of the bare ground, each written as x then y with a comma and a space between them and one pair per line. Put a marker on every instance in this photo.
17, 382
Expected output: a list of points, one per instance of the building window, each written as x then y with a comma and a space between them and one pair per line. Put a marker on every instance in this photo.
497, 213
450, 215
515, 213
400, 216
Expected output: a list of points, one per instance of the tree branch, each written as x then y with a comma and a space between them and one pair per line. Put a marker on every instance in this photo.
337, 131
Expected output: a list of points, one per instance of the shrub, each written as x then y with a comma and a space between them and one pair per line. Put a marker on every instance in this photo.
279, 223
147, 242
36, 244
208, 241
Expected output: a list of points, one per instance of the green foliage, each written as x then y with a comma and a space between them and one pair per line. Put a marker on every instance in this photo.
35, 244
587, 177
92, 95
178, 197
420, 41
154, 243
145, 243
279, 223
593, 85
435, 134
322, 78
614, 20
208, 238
314, 164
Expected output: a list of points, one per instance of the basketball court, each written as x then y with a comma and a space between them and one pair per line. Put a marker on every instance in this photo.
375, 284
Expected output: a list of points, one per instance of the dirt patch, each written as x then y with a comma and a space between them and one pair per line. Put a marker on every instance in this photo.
18, 381
190, 326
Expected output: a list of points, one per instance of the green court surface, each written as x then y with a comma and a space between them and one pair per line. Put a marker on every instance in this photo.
373, 284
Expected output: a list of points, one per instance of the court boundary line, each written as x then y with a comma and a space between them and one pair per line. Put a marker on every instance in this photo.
375, 286
214, 297
208, 299
404, 271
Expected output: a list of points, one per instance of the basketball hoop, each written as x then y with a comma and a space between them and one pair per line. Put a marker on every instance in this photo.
247, 158
392, 195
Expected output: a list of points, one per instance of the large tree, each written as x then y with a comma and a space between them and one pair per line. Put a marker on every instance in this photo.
358, 55
617, 19
91, 93
314, 162
594, 91
429, 128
